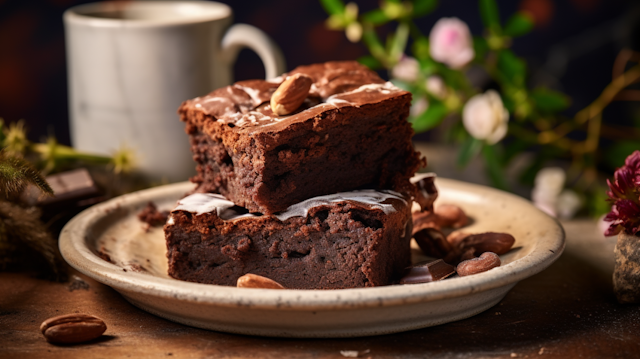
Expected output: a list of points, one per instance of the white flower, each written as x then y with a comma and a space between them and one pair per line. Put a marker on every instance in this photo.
436, 86
568, 204
450, 42
407, 69
550, 180
548, 194
419, 107
485, 118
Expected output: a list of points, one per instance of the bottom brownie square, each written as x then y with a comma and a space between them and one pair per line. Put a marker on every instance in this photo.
345, 240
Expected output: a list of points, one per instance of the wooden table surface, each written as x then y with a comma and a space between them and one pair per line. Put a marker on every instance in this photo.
567, 311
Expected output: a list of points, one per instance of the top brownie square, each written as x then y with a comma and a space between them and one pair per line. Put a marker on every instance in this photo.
350, 132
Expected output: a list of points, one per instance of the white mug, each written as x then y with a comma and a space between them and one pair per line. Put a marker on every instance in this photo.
131, 64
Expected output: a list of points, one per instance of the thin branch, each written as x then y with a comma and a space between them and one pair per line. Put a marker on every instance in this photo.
619, 132
624, 56
609, 93
628, 95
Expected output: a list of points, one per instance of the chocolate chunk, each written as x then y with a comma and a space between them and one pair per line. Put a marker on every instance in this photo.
432, 242
427, 191
427, 272
422, 220
70, 185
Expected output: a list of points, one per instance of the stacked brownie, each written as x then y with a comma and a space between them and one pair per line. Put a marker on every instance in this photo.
313, 196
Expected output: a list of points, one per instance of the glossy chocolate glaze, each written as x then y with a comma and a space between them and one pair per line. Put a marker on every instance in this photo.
200, 203
245, 104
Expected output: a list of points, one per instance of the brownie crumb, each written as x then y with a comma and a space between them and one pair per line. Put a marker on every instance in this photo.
151, 216
137, 268
102, 253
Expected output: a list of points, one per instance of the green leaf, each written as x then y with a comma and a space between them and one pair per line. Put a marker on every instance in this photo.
371, 62
618, 151
375, 17
370, 38
469, 149
521, 23
333, 7
398, 42
480, 47
597, 203
431, 118
490, 14
512, 68
423, 7
547, 100
507, 101
494, 170
420, 48
513, 149
528, 175
401, 84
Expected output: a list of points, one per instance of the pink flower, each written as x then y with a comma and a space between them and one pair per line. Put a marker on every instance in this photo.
450, 42
624, 193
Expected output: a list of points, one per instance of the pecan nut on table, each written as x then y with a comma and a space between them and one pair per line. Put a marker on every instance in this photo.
72, 328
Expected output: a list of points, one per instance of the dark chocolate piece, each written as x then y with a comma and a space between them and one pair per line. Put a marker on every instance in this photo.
426, 192
427, 272
432, 242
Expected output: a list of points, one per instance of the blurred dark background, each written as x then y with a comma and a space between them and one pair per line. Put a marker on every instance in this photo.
572, 48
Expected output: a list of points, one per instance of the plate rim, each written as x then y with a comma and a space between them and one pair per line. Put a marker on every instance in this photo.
75, 250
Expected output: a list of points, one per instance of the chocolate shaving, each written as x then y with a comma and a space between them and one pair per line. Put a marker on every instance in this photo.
426, 192
427, 272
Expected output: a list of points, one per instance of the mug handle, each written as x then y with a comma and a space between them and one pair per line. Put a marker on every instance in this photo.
243, 35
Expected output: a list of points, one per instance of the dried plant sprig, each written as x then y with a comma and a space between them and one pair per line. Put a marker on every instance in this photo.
52, 153
624, 194
15, 140
22, 225
124, 160
16, 173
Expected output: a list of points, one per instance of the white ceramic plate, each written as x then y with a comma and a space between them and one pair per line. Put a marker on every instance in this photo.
139, 268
